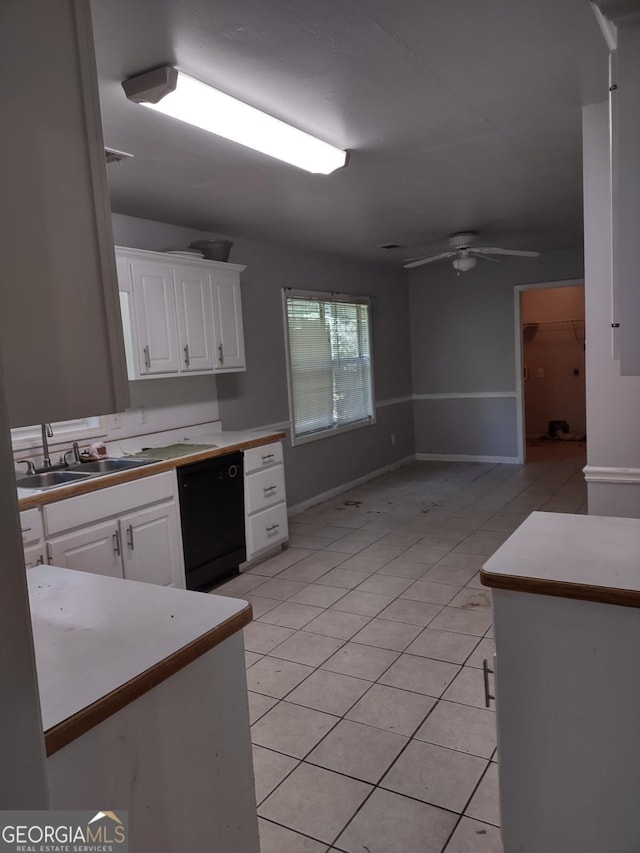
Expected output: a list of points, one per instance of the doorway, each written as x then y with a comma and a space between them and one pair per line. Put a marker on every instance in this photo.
550, 358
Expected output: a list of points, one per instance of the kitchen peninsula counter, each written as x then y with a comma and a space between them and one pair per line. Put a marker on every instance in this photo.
144, 705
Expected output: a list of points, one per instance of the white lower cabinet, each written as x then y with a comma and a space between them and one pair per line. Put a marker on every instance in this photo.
151, 544
93, 549
266, 520
130, 531
33, 556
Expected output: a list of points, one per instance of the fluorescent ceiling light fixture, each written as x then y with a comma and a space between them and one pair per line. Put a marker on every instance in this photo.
175, 94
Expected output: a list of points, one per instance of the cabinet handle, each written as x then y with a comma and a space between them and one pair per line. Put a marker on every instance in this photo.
221, 353
130, 537
187, 357
49, 554
147, 357
486, 672
272, 528
268, 457
116, 543
268, 489
25, 529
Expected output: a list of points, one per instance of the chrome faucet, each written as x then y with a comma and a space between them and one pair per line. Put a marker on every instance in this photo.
31, 468
47, 433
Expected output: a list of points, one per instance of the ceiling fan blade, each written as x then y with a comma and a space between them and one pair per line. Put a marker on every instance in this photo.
485, 250
484, 257
418, 262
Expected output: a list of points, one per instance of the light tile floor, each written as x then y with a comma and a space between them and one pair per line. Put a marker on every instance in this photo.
364, 659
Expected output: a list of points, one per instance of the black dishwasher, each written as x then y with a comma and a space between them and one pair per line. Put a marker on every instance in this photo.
212, 517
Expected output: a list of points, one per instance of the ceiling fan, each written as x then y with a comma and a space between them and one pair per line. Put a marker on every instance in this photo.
465, 253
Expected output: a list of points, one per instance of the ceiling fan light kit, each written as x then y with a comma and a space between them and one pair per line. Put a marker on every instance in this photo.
170, 91
465, 253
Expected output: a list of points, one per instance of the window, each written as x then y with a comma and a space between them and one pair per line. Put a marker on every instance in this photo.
63, 431
329, 363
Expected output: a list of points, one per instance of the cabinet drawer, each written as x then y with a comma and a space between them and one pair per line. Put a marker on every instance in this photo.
86, 509
31, 526
266, 529
263, 489
260, 457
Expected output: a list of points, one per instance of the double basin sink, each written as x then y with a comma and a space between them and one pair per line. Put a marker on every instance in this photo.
79, 472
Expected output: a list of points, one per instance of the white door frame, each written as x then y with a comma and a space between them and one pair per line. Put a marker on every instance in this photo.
517, 312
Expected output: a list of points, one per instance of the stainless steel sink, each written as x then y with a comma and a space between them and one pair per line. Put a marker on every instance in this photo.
109, 466
50, 479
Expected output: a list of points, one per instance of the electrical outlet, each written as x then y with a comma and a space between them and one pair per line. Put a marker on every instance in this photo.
393, 438
114, 421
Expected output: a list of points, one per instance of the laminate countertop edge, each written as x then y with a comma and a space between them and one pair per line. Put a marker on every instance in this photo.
105, 481
562, 589
73, 727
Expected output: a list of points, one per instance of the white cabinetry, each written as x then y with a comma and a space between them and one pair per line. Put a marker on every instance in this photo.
151, 545
179, 317
32, 537
228, 331
625, 140
94, 549
195, 319
265, 499
155, 317
131, 530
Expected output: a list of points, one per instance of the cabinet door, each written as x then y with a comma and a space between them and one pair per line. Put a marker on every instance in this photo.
95, 549
152, 547
155, 317
195, 319
33, 556
227, 317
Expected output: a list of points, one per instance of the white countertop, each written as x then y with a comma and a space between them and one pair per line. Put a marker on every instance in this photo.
94, 634
585, 550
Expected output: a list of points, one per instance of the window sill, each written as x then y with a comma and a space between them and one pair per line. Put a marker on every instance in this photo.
328, 433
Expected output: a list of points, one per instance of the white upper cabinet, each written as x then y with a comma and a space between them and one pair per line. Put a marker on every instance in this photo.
229, 334
155, 317
195, 318
60, 329
178, 317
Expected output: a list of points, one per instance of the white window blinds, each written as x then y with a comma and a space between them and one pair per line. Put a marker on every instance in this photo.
330, 371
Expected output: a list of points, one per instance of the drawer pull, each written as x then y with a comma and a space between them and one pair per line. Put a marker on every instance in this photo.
25, 529
268, 489
486, 672
268, 457
272, 528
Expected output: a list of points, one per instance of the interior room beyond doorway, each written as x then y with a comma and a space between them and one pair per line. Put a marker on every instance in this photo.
553, 369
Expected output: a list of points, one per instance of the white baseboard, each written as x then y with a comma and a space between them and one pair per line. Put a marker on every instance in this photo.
464, 457
296, 509
595, 474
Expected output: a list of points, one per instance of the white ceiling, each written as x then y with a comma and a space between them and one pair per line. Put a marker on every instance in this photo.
459, 114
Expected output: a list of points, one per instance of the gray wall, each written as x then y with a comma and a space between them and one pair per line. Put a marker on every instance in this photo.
463, 351
258, 397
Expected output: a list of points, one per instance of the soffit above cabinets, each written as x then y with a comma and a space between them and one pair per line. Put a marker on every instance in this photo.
457, 115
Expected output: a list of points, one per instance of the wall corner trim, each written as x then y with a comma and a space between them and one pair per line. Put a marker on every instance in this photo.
463, 457
596, 474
